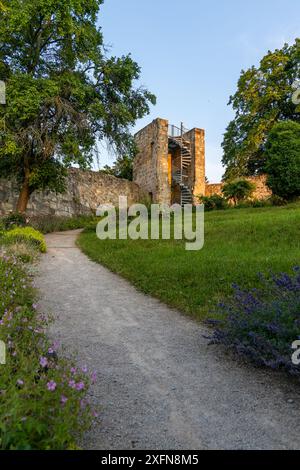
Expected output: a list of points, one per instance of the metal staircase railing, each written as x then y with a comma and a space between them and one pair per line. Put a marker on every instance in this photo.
176, 135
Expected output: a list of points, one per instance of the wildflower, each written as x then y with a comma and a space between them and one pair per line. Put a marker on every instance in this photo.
94, 377
84, 369
34, 306
20, 382
73, 370
43, 361
51, 385
82, 404
51, 351
72, 383
63, 399
79, 386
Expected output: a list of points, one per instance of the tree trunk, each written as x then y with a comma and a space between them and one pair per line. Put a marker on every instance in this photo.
23, 196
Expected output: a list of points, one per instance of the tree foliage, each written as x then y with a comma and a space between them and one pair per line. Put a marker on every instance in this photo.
238, 190
263, 97
63, 93
283, 160
122, 168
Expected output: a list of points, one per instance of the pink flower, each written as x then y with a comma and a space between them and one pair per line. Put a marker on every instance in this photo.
43, 361
20, 382
51, 385
84, 369
73, 370
72, 383
94, 377
50, 351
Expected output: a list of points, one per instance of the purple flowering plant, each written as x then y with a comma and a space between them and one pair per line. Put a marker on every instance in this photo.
262, 323
39, 408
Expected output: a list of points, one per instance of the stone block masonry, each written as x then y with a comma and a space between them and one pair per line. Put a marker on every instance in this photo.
261, 189
85, 191
150, 170
197, 139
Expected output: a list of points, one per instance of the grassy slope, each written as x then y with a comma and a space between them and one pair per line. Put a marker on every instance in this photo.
238, 245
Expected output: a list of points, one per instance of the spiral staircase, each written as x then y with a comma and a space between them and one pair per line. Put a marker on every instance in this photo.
180, 175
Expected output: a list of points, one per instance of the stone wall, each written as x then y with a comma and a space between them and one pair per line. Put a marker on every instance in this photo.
150, 169
197, 138
85, 191
261, 189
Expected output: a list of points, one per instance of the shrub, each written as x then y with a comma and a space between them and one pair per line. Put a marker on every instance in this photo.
261, 324
48, 223
43, 396
27, 234
277, 200
256, 203
260, 202
238, 190
283, 160
214, 202
14, 219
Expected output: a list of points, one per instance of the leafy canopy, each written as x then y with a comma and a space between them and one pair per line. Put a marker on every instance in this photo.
63, 93
122, 168
238, 190
283, 160
263, 97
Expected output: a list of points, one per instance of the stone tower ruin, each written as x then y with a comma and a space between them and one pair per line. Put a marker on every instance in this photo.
170, 164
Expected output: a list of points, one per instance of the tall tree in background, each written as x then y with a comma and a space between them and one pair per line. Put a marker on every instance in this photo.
263, 97
63, 93
283, 160
122, 168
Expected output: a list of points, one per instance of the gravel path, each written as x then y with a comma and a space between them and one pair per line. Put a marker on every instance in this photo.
159, 385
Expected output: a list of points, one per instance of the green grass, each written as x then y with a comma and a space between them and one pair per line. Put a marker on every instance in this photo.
238, 245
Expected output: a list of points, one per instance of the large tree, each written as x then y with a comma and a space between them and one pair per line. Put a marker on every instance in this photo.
263, 97
283, 160
63, 92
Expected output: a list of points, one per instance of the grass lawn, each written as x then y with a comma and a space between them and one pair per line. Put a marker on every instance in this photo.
239, 243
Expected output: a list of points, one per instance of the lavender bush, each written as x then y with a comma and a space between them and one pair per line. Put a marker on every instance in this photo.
261, 324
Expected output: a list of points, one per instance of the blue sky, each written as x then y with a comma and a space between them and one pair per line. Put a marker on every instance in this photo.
191, 53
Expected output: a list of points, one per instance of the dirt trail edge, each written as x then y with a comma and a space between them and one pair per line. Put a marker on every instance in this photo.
159, 384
